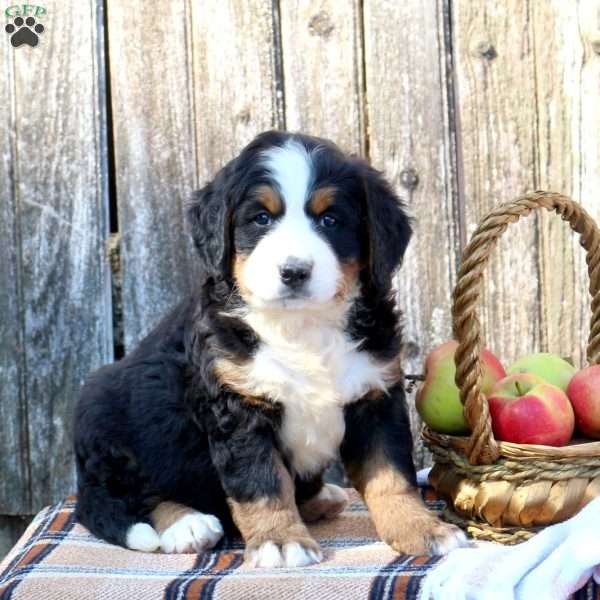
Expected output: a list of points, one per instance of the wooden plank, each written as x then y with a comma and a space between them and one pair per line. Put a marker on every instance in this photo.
235, 78
152, 115
409, 115
322, 70
567, 160
495, 79
14, 482
174, 127
61, 195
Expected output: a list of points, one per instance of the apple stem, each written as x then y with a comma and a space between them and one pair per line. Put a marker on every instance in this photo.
519, 389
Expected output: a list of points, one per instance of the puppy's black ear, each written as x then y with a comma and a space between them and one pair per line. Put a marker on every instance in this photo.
209, 219
389, 229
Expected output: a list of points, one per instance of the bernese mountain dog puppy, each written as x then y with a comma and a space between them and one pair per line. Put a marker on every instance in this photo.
226, 415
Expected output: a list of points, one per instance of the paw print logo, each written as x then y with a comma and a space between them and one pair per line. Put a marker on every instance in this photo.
24, 31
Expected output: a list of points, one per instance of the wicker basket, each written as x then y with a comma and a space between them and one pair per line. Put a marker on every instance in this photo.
503, 491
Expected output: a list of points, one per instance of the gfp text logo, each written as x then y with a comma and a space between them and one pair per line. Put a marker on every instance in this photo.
24, 28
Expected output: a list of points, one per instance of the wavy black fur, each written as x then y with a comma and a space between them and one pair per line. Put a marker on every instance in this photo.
158, 425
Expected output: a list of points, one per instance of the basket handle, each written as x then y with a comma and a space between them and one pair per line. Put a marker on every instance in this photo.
482, 448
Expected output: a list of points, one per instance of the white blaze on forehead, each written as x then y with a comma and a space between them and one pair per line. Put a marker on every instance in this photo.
293, 236
290, 166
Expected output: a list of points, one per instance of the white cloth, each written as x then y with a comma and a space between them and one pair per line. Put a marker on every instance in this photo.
423, 477
550, 566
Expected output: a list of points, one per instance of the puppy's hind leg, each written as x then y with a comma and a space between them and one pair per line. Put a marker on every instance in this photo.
115, 519
183, 530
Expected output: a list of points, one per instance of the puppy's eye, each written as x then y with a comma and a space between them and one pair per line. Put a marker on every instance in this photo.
263, 219
328, 221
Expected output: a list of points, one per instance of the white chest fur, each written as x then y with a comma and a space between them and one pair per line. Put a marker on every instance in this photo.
313, 370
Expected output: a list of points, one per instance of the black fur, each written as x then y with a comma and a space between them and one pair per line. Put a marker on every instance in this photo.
389, 230
378, 424
158, 425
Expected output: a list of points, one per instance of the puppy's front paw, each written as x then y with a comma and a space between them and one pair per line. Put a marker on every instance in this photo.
291, 553
194, 532
429, 536
444, 538
327, 504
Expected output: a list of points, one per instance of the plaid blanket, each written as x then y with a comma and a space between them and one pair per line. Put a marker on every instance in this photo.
58, 559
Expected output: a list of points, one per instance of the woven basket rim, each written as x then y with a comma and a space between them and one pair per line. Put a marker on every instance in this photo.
577, 448
480, 530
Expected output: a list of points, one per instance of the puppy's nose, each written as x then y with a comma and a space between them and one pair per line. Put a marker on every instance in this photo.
294, 272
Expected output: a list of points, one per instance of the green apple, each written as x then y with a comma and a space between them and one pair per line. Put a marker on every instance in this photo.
550, 367
438, 401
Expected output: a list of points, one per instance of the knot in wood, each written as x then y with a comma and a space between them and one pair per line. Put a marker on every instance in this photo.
321, 25
409, 178
485, 50
244, 116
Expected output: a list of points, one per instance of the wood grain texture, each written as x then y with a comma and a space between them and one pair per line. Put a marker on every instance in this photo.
567, 160
461, 111
174, 127
496, 106
410, 138
150, 66
235, 78
322, 70
14, 451
62, 221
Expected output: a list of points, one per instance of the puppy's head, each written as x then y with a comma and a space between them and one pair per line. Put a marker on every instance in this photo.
297, 224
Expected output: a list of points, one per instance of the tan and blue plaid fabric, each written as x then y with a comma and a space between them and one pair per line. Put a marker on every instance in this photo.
57, 559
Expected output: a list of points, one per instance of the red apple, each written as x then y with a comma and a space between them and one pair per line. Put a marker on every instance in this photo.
438, 400
527, 410
584, 394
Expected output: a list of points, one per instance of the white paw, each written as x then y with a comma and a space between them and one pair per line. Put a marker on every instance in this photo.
336, 495
192, 533
449, 539
328, 503
143, 537
292, 554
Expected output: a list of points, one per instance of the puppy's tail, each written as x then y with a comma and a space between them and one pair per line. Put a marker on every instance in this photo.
115, 520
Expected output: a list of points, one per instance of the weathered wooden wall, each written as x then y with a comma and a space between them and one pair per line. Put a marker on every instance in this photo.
55, 323
462, 103
411, 138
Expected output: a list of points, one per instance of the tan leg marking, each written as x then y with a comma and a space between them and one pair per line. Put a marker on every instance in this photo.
400, 516
273, 520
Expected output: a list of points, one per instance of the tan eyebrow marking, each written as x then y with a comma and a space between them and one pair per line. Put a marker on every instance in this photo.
322, 199
270, 199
